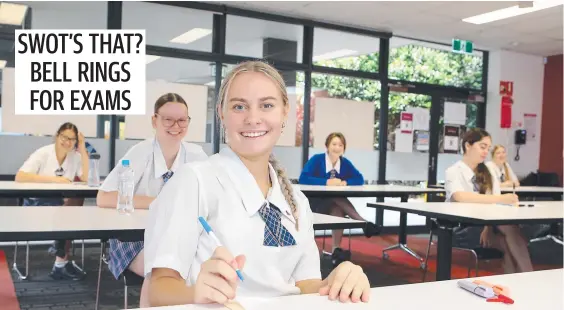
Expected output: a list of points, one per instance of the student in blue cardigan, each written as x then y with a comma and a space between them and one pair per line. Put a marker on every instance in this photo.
332, 169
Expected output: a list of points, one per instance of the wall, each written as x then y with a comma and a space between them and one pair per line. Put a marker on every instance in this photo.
526, 71
551, 151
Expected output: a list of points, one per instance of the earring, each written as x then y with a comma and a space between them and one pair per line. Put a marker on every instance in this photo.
283, 124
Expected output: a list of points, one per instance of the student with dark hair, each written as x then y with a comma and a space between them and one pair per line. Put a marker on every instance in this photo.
333, 169
60, 162
470, 180
154, 162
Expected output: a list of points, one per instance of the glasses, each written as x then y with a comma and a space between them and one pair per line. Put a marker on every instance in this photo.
67, 139
169, 122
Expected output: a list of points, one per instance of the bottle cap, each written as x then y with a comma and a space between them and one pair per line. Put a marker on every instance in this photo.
125, 162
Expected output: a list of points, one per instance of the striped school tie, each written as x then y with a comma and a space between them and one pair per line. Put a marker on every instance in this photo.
476, 185
167, 176
275, 234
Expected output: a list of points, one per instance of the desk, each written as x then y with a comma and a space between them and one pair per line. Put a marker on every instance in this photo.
528, 191
377, 191
531, 290
11, 189
450, 214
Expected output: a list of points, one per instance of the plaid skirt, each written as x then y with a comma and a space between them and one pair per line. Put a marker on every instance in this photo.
122, 254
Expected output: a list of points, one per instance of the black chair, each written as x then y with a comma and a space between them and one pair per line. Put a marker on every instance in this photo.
479, 254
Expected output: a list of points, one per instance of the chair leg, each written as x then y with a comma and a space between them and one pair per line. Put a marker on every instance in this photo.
102, 249
125, 297
427, 255
469, 265
477, 261
15, 265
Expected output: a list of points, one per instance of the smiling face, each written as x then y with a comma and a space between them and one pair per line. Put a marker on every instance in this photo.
499, 155
478, 151
67, 139
335, 148
171, 122
253, 112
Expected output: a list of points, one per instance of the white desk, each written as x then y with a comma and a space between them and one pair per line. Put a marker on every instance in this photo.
532, 290
450, 214
11, 189
49, 223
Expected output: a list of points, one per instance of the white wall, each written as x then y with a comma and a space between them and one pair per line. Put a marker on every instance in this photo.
527, 73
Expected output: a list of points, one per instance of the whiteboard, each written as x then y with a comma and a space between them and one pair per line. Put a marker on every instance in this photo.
354, 119
37, 124
196, 96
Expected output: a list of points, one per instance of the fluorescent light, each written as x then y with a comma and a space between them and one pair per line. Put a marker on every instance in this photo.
192, 35
512, 12
12, 14
334, 54
3, 64
150, 58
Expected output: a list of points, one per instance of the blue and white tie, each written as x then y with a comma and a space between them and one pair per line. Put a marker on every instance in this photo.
167, 176
476, 185
275, 234
333, 174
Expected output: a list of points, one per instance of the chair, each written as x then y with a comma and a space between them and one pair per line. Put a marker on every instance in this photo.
479, 254
129, 277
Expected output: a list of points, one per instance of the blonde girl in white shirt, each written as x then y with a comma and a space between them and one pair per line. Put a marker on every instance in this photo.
470, 180
501, 168
266, 227
154, 162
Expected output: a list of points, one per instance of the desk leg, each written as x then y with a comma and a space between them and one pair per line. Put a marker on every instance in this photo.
444, 252
402, 239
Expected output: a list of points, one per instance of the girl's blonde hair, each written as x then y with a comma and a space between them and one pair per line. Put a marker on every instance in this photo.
505, 168
274, 75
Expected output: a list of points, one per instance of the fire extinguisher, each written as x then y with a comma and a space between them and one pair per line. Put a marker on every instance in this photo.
506, 104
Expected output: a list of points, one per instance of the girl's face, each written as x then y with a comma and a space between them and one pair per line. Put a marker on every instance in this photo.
253, 114
336, 147
67, 139
478, 152
171, 122
500, 156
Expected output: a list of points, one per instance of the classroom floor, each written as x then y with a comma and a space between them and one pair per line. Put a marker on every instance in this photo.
40, 292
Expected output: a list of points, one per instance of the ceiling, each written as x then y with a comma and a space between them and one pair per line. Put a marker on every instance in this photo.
538, 33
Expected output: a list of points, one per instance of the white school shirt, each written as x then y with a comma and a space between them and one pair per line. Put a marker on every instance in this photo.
44, 162
501, 171
329, 164
223, 191
459, 179
149, 165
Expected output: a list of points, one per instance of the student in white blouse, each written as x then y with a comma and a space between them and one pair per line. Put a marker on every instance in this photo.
500, 167
154, 162
266, 227
470, 180
60, 162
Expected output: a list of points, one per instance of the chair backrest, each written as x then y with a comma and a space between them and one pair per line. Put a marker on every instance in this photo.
548, 179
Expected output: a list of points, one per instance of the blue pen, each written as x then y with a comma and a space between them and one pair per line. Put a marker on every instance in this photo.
210, 232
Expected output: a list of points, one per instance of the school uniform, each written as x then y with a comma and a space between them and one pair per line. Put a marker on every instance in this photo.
224, 192
151, 173
319, 169
500, 172
461, 178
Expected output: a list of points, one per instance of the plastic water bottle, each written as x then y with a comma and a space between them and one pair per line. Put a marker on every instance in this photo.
126, 188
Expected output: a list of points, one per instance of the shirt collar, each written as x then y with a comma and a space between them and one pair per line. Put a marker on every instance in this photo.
329, 164
467, 172
247, 187
159, 162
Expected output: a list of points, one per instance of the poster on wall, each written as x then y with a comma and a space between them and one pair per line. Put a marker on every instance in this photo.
530, 125
406, 122
451, 139
403, 141
422, 141
421, 117
454, 113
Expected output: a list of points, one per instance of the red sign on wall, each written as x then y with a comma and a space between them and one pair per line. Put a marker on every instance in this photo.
506, 88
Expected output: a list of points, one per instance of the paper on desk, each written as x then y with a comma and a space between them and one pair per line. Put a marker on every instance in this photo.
299, 302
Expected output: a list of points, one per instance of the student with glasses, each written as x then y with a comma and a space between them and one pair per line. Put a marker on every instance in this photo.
154, 162
60, 162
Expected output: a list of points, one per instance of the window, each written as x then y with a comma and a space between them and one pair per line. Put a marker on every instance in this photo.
434, 64
170, 26
337, 49
69, 15
258, 38
418, 139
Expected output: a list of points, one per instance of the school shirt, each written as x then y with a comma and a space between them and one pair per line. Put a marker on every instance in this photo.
224, 192
460, 178
149, 165
318, 169
44, 162
500, 172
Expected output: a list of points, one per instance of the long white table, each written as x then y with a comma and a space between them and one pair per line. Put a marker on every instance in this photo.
11, 189
49, 223
450, 215
376, 191
532, 290
529, 191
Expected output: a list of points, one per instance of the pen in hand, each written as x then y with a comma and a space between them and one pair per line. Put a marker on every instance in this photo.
210, 232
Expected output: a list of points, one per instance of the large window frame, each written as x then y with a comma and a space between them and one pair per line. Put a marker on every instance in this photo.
219, 56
